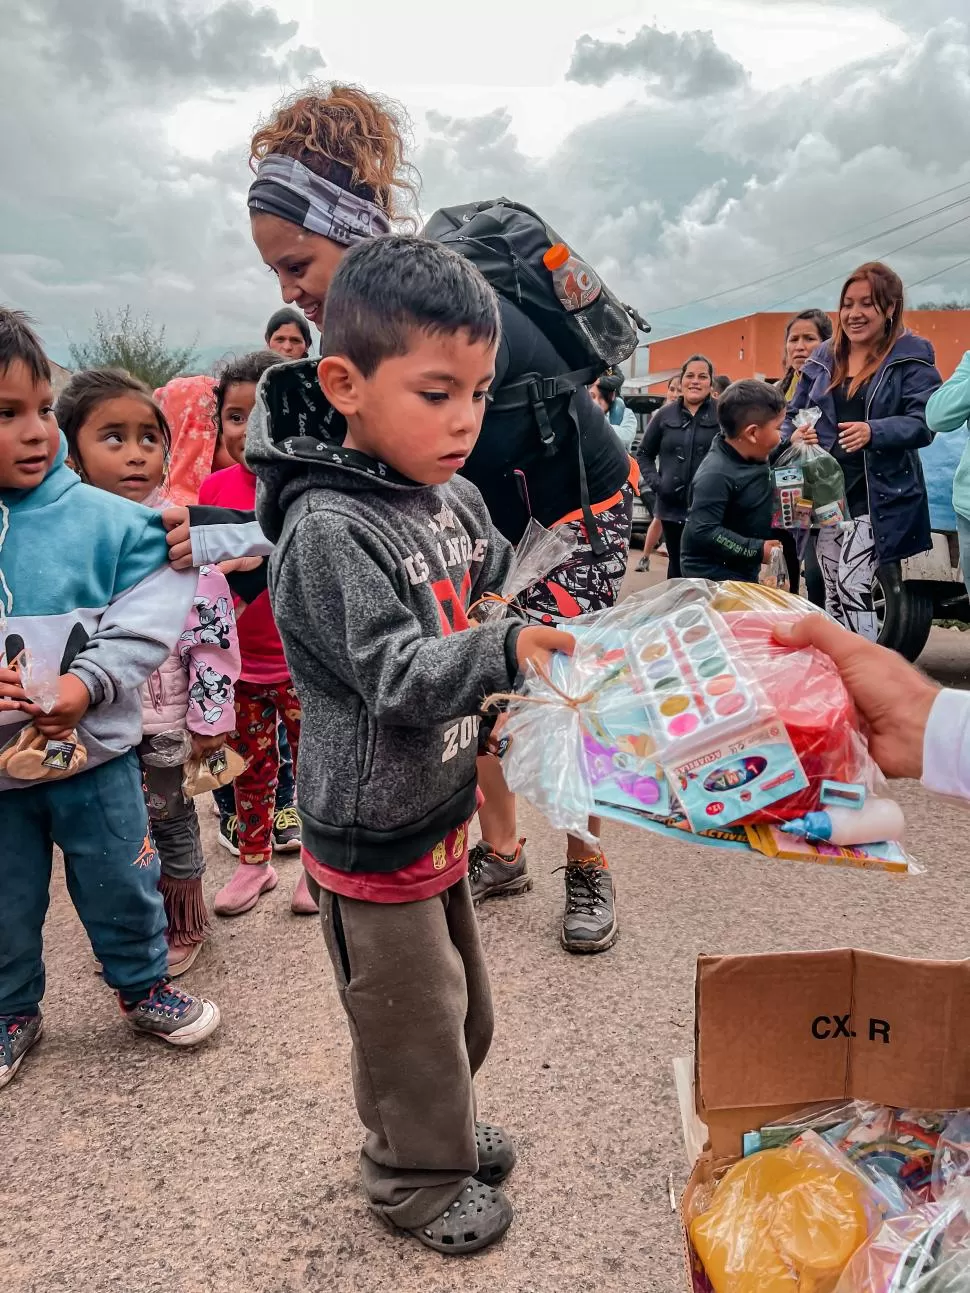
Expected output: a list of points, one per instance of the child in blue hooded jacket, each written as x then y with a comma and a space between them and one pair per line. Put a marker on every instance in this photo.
87, 594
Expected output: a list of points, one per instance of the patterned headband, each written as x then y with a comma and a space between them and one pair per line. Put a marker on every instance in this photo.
284, 187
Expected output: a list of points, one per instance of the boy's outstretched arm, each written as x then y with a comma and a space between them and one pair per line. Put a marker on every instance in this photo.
345, 595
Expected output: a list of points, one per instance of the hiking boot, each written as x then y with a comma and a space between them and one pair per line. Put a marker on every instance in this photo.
589, 921
172, 1015
229, 834
302, 902
478, 1217
17, 1034
245, 887
286, 831
496, 1153
497, 875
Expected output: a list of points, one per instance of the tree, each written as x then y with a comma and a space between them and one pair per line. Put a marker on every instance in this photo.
124, 341
942, 305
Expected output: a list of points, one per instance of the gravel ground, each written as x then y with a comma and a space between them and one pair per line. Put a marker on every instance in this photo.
135, 1168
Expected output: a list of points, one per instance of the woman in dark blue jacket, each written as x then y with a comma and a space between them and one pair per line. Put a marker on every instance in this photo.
871, 382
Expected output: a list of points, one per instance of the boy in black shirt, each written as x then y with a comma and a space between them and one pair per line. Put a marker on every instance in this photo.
728, 530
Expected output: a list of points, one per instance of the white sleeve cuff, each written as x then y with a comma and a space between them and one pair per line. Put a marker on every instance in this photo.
946, 746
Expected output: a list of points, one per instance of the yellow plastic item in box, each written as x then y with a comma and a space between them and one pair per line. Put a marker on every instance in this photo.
782, 1221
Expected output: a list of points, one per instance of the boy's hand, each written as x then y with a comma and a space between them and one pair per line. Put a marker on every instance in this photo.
801, 435
894, 698
176, 521
203, 745
73, 702
770, 546
536, 645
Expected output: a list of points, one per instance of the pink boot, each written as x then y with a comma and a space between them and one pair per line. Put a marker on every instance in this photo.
303, 904
248, 883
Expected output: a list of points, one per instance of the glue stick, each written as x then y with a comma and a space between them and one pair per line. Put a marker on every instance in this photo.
875, 821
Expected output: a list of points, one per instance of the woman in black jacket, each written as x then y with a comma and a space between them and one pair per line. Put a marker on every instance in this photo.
674, 445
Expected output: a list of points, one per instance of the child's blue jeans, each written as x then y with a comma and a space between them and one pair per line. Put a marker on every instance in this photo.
99, 820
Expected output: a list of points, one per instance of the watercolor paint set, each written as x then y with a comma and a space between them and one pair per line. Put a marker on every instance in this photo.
618, 752
726, 753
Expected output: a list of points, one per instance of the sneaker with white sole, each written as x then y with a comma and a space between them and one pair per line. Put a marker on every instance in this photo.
17, 1034
229, 834
173, 1015
286, 831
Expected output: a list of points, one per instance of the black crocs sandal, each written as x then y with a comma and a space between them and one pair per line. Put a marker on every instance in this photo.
496, 1153
478, 1217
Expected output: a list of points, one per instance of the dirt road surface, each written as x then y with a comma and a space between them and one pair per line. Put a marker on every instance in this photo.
133, 1168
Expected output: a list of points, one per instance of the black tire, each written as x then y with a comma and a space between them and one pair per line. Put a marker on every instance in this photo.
904, 610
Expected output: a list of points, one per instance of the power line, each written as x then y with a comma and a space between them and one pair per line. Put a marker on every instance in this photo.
892, 252
794, 269
939, 272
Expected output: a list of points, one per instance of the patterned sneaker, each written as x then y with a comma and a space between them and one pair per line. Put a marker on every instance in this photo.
229, 834
497, 875
589, 921
286, 831
17, 1034
171, 1014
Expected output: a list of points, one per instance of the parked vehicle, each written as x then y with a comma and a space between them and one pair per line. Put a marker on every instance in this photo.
909, 595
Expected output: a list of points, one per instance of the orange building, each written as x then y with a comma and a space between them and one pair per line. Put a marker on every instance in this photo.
752, 346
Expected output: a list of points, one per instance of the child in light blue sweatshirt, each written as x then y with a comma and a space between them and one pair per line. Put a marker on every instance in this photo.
86, 591
948, 409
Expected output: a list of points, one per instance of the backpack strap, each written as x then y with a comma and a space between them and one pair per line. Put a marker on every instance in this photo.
535, 392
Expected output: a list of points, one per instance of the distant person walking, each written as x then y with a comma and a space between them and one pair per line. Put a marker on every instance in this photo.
674, 446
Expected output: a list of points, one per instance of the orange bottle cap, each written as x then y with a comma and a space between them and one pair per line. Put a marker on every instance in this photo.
557, 255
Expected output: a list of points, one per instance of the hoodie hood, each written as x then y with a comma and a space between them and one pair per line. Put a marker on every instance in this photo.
294, 442
58, 480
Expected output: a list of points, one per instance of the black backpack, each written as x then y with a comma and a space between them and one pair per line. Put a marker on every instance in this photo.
507, 242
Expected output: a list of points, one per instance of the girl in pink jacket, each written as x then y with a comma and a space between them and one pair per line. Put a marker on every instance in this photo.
118, 441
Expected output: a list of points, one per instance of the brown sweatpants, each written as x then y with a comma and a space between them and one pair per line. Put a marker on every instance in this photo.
413, 981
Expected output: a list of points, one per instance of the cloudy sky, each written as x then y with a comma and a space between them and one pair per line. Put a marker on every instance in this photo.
711, 157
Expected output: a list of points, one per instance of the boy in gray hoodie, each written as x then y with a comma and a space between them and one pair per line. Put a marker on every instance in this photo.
380, 551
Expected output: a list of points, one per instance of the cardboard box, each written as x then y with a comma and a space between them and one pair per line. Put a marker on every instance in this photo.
778, 1033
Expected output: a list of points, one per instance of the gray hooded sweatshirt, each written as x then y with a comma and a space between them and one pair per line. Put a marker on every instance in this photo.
371, 577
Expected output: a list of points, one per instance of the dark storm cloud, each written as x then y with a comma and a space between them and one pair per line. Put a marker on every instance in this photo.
167, 43
681, 65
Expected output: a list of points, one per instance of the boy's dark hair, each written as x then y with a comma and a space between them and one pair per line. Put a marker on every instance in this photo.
284, 316
91, 387
18, 340
247, 368
720, 384
387, 288
747, 402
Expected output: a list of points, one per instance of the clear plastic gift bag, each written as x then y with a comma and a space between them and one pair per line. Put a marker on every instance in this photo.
787, 1219
168, 749
39, 679
952, 1159
926, 1250
680, 698
537, 554
809, 487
